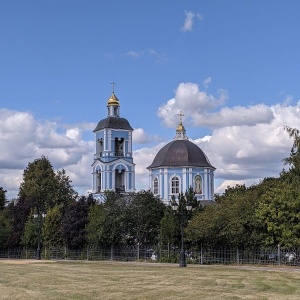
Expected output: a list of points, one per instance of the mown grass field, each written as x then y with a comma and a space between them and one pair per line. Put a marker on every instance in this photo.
30, 279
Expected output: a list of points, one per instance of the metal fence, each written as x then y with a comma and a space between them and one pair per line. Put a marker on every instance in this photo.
272, 256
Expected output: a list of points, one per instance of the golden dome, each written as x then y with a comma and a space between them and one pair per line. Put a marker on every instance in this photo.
113, 100
180, 127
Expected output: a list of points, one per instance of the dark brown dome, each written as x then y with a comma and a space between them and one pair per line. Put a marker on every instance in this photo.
114, 123
179, 153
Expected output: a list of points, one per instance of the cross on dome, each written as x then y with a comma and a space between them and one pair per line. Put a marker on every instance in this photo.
113, 86
180, 116
180, 131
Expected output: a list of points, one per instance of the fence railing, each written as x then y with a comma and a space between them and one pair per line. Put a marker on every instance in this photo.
272, 256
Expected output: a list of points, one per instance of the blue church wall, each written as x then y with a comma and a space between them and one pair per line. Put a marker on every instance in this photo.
186, 178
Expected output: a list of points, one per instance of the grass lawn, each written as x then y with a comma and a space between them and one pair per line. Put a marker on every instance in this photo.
31, 279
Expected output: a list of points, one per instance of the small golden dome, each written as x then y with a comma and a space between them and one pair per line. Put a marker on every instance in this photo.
180, 127
113, 100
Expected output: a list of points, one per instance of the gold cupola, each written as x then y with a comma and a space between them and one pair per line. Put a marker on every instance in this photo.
113, 100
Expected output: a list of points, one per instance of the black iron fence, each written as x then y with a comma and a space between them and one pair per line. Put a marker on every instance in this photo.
271, 256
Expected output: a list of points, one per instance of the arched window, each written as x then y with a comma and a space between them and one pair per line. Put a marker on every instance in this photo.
198, 184
155, 186
175, 185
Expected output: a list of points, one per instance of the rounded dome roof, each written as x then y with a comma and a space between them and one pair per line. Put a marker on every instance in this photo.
180, 153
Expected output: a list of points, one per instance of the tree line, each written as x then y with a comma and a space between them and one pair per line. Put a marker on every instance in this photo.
263, 215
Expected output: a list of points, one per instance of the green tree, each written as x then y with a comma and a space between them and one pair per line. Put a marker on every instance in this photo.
205, 226
39, 184
41, 189
64, 193
94, 228
4, 220
74, 223
106, 222
52, 231
144, 215
230, 222
2, 198
279, 214
168, 228
29, 238
293, 161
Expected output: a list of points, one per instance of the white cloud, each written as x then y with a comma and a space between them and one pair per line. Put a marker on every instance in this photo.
189, 20
235, 116
199, 109
139, 136
193, 102
150, 53
133, 54
207, 82
24, 139
143, 158
74, 134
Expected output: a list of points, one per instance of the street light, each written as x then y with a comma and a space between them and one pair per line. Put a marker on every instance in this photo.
182, 211
39, 218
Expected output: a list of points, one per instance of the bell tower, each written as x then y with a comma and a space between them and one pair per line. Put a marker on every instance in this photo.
113, 167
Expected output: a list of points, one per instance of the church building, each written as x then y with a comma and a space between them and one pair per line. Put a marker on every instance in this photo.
113, 167
177, 166
180, 165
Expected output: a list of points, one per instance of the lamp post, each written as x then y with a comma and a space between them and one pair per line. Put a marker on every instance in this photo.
182, 211
39, 218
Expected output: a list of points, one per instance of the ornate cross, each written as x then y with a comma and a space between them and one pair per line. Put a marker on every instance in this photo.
180, 116
113, 86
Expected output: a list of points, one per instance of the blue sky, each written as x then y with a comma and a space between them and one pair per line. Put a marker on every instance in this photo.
232, 67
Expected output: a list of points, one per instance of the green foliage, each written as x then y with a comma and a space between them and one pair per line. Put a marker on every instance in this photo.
168, 228
294, 159
279, 214
144, 215
2, 198
19, 212
29, 238
73, 224
5, 228
230, 222
41, 190
95, 225
39, 184
5, 224
125, 219
52, 227
106, 225
64, 193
